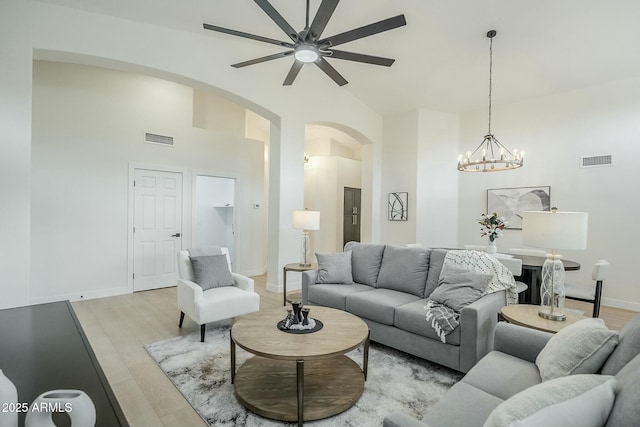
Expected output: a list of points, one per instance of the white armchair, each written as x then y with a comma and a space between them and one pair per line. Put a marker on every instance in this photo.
213, 304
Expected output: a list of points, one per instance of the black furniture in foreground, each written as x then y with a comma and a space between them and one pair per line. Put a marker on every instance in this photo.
43, 347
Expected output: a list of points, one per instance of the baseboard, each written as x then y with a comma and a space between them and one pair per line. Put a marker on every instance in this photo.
626, 305
275, 288
255, 272
80, 296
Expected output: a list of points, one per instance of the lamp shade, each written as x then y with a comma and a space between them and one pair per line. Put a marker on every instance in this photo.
555, 230
306, 220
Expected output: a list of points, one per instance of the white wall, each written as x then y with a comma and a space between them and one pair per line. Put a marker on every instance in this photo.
65, 34
555, 131
437, 180
399, 174
88, 128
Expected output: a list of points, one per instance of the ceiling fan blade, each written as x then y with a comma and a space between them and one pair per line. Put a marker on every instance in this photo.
262, 59
358, 57
246, 35
366, 31
293, 73
331, 72
278, 19
324, 13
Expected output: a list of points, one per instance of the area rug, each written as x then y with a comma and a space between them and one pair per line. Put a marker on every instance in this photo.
201, 372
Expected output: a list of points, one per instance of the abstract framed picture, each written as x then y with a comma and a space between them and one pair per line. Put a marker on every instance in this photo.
398, 209
511, 202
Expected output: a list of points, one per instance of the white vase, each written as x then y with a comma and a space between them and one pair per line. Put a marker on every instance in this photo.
491, 247
78, 406
8, 396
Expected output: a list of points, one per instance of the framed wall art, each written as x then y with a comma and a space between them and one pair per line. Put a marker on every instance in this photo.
511, 202
398, 209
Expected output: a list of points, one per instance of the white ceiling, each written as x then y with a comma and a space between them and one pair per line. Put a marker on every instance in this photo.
542, 46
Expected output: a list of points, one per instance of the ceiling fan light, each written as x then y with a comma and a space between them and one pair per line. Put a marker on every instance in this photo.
306, 53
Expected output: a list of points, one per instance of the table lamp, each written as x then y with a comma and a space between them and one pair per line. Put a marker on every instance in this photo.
305, 221
555, 230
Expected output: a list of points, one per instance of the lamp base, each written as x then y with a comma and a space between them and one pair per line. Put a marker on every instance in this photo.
545, 313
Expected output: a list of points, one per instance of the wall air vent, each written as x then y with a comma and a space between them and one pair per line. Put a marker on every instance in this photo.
596, 161
152, 138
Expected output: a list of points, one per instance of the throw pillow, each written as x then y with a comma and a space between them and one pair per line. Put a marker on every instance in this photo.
576, 400
404, 269
334, 268
581, 348
211, 271
365, 261
458, 288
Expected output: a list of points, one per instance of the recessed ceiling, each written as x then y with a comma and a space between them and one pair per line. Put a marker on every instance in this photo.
542, 46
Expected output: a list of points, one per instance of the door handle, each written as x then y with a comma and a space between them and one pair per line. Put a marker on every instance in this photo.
175, 235
354, 219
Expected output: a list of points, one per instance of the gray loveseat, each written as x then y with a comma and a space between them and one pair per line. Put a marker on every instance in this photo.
510, 368
390, 290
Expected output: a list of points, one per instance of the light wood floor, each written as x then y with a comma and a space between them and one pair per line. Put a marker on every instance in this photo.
118, 328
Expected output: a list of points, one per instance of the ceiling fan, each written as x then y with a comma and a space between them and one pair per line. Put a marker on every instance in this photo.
306, 46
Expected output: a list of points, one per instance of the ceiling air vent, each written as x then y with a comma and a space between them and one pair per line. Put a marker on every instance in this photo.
595, 161
158, 139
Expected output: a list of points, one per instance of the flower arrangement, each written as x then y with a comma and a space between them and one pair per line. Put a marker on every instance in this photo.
492, 226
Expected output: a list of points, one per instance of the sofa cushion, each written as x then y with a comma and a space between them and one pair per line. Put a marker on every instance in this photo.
580, 348
404, 269
628, 347
572, 401
503, 375
365, 261
334, 268
436, 262
378, 305
334, 296
211, 271
458, 288
463, 405
411, 318
626, 409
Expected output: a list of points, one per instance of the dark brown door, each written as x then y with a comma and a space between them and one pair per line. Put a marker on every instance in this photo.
351, 225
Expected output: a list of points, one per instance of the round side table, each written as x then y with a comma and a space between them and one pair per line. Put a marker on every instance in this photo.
297, 268
527, 315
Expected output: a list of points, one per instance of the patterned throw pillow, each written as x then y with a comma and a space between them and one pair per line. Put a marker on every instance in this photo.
573, 401
581, 348
211, 271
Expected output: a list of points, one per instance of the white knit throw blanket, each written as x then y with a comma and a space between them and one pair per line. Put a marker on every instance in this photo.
444, 319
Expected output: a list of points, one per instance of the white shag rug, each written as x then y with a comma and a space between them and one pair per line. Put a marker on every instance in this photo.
396, 381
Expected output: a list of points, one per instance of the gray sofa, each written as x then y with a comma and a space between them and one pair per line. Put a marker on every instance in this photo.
510, 368
390, 290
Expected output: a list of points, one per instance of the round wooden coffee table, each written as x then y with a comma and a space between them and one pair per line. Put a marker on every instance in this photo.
299, 377
527, 315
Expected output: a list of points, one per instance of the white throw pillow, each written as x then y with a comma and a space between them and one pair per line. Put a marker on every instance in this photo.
573, 401
581, 348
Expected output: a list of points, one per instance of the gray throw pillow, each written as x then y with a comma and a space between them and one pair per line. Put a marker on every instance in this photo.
404, 269
581, 348
365, 261
459, 288
211, 271
334, 268
573, 401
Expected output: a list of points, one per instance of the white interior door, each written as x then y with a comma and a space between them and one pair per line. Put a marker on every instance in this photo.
157, 228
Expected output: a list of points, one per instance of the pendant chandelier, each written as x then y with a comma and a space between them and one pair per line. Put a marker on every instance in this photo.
491, 155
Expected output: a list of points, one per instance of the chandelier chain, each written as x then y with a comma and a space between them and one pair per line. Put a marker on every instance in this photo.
490, 78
